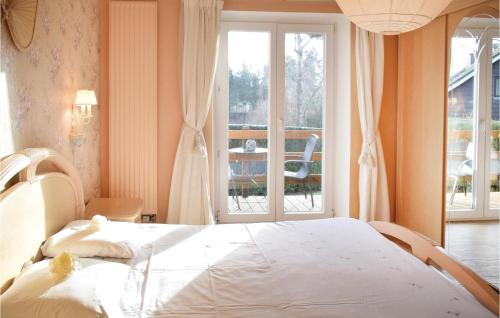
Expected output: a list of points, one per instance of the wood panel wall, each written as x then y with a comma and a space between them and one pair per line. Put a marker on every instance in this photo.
420, 133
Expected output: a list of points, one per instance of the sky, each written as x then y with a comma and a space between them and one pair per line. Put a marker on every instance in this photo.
461, 48
254, 49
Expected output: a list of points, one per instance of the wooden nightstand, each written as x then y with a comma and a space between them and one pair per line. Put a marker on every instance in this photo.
115, 209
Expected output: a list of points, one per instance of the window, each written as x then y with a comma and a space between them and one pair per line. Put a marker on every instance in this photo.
473, 189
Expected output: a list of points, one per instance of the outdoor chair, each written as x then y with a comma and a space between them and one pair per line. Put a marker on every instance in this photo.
304, 164
464, 169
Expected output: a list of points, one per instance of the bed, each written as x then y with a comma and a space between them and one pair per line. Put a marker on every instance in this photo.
336, 267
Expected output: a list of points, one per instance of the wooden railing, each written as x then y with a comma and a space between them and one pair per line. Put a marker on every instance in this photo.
467, 134
313, 178
245, 134
262, 134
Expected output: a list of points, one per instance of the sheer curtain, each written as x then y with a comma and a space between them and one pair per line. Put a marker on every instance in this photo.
190, 190
373, 191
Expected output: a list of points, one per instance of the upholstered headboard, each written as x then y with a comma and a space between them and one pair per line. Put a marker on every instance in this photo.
34, 205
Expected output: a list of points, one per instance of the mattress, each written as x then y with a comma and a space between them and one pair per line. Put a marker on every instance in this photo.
320, 268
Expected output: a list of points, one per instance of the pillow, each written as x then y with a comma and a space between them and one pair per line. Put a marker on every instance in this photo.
80, 238
92, 291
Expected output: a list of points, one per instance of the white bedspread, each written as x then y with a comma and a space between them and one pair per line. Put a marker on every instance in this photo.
321, 268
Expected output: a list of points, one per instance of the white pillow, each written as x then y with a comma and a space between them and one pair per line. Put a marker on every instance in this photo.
93, 291
115, 239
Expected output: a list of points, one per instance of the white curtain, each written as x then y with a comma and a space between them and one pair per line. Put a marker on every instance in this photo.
373, 191
190, 190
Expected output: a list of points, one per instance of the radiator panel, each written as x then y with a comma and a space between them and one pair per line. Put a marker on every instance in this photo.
133, 100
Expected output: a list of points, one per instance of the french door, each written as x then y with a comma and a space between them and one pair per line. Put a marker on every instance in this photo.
473, 163
273, 106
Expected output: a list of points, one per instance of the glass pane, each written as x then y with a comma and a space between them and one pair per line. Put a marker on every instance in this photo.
304, 105
494, 174
461, 109
248, 60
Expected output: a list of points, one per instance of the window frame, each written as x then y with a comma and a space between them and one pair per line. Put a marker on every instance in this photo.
484, 89
338, 128
342, 161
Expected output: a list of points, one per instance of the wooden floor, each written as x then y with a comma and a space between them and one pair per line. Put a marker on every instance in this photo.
258, 204
476, 244
463, 201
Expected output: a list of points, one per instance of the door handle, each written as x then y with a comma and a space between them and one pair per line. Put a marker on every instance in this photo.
280, 123
482, 124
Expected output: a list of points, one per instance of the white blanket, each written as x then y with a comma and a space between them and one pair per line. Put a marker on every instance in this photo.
321, 268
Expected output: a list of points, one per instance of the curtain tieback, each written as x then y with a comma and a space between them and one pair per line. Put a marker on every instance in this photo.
199, 147
367, 157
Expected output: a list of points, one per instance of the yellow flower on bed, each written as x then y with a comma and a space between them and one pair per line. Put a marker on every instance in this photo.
64, 264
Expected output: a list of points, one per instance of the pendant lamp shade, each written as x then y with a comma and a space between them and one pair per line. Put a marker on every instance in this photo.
391, 17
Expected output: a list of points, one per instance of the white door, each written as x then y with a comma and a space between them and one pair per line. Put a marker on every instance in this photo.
273, 103
492, 127
473, 125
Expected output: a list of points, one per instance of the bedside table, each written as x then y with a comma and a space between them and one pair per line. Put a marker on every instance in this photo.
115, 209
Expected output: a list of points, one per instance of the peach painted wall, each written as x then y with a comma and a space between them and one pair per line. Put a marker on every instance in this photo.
169, 100
104, 96
169, 108
389, 116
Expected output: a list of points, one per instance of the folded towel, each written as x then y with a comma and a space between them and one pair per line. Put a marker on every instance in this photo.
97, 223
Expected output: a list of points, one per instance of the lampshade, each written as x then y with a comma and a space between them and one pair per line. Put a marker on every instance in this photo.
85, 98
391, 17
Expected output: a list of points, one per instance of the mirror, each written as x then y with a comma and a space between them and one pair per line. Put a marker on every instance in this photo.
473, 146
20, 16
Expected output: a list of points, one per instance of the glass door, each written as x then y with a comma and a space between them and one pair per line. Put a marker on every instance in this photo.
303, 97
245, 123
492, 166
271, 114
473, 122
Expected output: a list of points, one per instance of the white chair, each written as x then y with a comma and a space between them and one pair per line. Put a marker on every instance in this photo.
464, 169
304, 162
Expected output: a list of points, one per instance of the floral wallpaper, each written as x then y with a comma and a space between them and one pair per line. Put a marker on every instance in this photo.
42, 83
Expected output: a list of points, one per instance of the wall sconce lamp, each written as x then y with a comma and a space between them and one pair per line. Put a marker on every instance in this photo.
82, 112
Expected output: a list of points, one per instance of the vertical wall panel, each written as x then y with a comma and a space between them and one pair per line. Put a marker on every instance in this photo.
133, 101
420, 135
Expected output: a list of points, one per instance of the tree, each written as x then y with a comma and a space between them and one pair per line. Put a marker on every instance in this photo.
304, 83
248, 96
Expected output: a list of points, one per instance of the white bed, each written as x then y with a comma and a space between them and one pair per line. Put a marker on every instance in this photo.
321, 268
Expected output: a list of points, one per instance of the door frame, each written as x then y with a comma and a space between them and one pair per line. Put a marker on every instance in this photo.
488, 211
275, 184
480, 209
327, 133
220, 118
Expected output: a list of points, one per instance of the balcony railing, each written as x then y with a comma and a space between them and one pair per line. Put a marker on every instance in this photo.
256, 134
467, 134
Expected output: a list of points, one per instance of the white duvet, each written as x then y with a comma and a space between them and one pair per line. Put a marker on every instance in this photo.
322, 268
